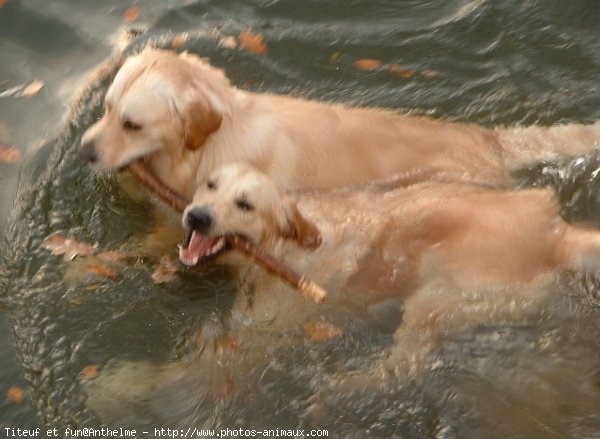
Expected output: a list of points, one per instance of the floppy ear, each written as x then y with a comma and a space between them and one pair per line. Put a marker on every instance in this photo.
299, 228
200, 120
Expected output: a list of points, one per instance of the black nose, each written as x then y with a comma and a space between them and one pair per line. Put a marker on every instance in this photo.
199, 219
88, 152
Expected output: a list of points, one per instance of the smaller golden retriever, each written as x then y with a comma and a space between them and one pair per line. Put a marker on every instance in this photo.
186, 118
366, 245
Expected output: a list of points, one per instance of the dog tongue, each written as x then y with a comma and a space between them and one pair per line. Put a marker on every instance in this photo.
198, 247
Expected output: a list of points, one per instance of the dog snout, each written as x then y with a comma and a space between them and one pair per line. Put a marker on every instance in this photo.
199, 219
87, 152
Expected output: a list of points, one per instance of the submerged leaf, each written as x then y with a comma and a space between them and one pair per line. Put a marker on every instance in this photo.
15, 394
320, 330
9, 155
166, 271
335, 56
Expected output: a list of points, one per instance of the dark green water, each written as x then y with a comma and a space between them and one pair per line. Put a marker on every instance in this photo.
495, 62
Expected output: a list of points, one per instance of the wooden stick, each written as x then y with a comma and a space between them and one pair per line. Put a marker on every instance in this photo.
140, 171
307, 287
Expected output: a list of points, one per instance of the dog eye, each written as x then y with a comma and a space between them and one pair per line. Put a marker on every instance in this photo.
129, 125
211, 185
243, 205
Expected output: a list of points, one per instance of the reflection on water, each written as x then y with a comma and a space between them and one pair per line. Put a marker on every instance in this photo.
531, 372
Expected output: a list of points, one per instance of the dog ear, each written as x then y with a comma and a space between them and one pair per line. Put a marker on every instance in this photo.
300, 229
200, 121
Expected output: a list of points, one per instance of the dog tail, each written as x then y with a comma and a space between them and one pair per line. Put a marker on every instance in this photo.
527, 145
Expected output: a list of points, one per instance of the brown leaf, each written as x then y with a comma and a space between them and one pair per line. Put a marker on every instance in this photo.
320, 330
131, 14
69, 247
253, 43
3, 2
368, 64
179, 41
15, 394
166, 271
90, 372
9, 155
32, 89
101, 270
398, 70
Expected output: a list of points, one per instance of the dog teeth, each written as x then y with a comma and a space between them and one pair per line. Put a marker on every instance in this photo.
218, 246
215, 248
193, 261
189, 262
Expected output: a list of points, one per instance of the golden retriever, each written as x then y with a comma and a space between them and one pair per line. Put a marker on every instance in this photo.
186, 118
368, 245
451, 255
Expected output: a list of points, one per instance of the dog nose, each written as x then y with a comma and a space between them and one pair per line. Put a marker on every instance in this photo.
88, 152
199, 219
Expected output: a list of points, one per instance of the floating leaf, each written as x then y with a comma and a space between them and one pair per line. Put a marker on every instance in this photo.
90, 372
398, 70
32, 89
131, 14
368, 64
320, 330
179, 41
101, 270
253, 43
166, 271
15, 394
69, 247
3, 2
9, 155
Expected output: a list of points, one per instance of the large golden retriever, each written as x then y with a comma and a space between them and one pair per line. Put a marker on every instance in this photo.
368, 245
186, 118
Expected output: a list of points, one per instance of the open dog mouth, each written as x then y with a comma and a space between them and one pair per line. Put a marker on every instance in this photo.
199, 248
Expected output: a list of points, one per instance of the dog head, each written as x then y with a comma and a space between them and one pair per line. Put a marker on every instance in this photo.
237, 199
158, 102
